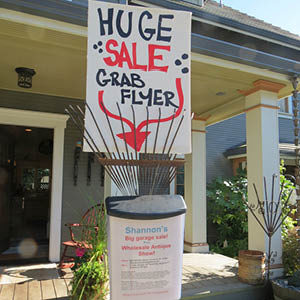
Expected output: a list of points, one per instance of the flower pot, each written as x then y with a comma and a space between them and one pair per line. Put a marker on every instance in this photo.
251, 266
282, 292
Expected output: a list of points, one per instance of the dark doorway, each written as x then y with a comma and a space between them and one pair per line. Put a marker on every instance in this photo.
25, 192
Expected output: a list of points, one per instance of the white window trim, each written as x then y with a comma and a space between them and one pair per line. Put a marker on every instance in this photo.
287, 115
57, 122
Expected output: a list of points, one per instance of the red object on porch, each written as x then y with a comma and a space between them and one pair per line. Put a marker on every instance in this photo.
86, 230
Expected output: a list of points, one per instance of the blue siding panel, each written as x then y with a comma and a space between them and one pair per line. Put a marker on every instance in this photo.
219, 138
229, 134
286, 130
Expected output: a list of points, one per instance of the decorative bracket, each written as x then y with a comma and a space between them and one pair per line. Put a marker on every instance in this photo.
77, 152
91, 159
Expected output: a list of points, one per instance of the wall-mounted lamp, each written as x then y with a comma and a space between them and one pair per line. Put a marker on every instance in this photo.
25, 77
76, 159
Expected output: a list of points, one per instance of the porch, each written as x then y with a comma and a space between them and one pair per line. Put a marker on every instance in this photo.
229, 77
205, 276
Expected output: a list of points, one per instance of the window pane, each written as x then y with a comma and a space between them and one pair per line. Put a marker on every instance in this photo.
28, 179
43, 179
180, 190
180, 179
180, 169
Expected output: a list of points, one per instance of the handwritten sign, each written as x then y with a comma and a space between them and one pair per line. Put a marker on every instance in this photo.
138, 78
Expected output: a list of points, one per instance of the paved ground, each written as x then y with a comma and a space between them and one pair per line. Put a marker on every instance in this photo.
203, 275
209, 274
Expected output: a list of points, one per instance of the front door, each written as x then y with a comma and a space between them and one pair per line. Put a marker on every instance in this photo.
25, 180
5, 152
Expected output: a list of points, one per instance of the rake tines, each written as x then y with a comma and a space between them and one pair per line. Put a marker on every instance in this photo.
273, 212
133, 173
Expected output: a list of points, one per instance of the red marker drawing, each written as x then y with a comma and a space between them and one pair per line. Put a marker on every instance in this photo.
141, 135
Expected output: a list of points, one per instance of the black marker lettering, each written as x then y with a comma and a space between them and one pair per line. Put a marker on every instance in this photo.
101, 82
169, 96
125, 93
122, 33
161, 37
157, 97
150, 32
107, 22
147, 96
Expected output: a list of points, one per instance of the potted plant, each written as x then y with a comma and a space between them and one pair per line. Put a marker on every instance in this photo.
288, 288
91, 280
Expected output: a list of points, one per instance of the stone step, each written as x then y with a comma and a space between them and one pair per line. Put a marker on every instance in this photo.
247, 293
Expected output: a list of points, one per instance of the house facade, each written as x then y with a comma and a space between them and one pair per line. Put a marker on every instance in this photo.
239, 65
225, 152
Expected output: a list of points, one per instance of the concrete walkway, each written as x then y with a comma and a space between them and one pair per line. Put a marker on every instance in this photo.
205, 276
214, 276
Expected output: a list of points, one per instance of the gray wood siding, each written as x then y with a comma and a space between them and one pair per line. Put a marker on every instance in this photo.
219, 138
76, 199
229, 134
286, 130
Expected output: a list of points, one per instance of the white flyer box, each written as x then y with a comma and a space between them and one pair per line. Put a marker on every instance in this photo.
145, 246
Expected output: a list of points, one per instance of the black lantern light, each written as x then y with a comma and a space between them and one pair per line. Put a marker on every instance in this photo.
25, 77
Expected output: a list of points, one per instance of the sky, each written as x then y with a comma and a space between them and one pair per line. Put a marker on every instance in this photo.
282, 13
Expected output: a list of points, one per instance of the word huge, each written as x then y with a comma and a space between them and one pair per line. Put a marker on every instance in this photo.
114, 21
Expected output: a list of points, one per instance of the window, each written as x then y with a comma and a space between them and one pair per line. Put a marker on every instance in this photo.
36, 179
180, 181
196, 2
239, 163
285, 105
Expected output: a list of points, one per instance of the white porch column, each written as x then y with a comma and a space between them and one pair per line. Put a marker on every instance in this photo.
263, 161
56, 193
195, 239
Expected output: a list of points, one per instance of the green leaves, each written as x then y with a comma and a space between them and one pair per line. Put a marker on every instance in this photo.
90, 279
91, 276
290, 256
226, 208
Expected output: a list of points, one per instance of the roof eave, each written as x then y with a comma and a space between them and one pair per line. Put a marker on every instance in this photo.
220, 49
75, 12
224, 21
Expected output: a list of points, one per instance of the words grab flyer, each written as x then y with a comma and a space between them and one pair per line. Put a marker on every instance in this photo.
138, 78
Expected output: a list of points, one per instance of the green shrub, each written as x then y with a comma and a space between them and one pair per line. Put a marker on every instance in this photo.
227, 210
229, 213
290, 258
91, 277
288, 223
232, 247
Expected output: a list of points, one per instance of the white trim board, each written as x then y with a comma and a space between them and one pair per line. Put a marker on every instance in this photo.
57, 122
42, 22
219, 62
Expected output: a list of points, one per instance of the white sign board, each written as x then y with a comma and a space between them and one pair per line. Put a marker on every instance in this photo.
145, 258
138, 78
